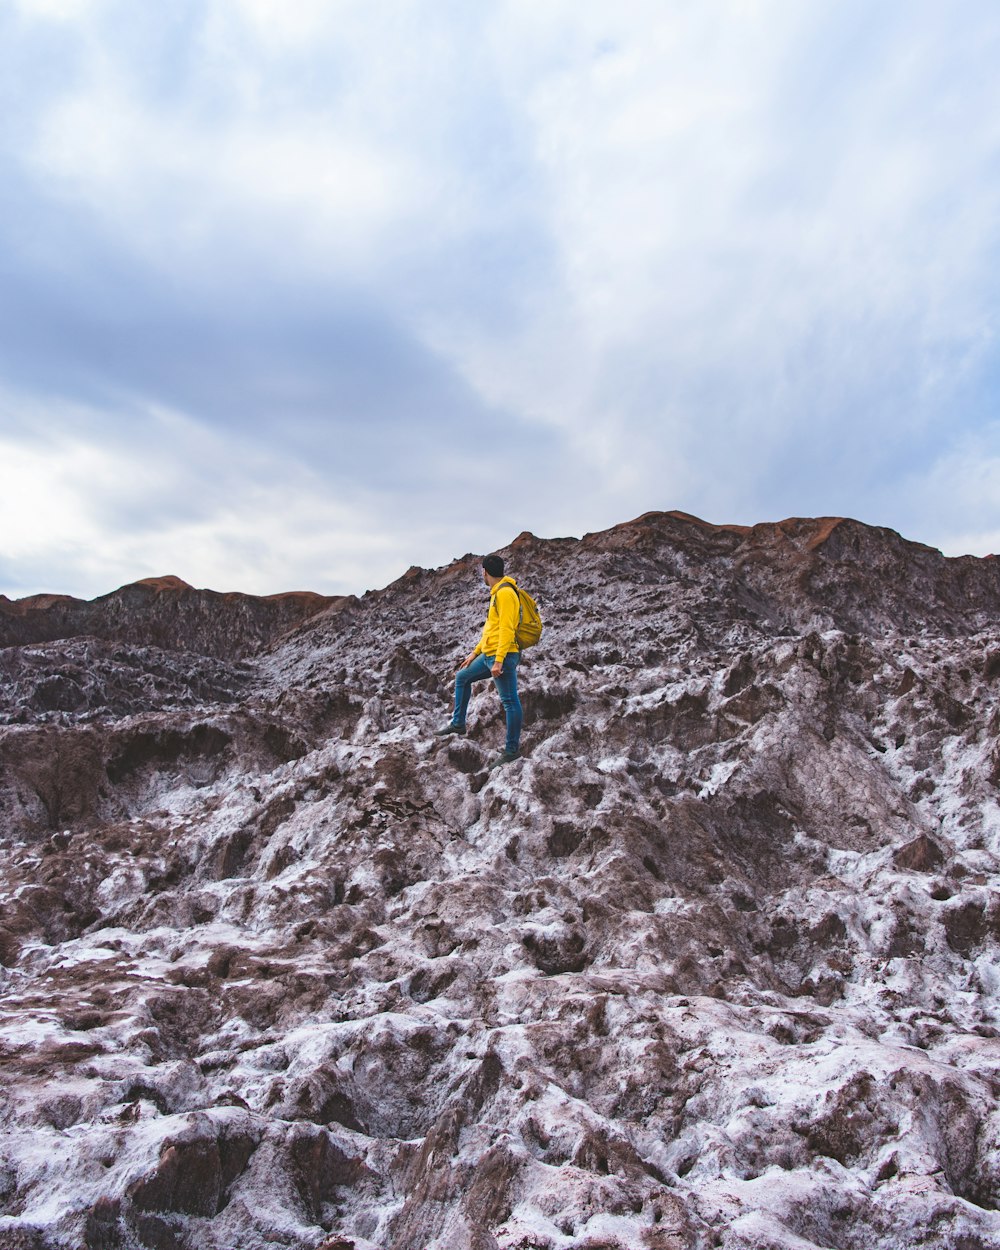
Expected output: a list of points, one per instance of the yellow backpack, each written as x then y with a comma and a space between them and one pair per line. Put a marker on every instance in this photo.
529, 623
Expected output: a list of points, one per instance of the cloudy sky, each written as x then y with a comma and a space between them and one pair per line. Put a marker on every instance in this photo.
297, 293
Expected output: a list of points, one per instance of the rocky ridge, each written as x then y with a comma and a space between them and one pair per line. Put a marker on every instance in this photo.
714, 964
161, 612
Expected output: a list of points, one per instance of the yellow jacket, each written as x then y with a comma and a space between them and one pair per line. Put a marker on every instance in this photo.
501, 622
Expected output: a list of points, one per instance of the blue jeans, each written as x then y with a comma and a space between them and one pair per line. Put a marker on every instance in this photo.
506, 685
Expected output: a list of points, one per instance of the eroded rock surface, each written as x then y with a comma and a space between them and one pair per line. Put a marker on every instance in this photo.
160, 612
713, 965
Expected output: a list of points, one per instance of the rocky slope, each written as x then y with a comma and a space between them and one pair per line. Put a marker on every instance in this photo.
713, 965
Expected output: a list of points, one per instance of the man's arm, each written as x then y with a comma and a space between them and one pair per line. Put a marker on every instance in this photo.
480, 646
468, 659
508, 610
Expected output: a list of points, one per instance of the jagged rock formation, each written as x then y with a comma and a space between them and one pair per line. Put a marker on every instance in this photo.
160, 612
714, 964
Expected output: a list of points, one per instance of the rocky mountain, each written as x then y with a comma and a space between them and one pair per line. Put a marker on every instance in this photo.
714, 964
160, 612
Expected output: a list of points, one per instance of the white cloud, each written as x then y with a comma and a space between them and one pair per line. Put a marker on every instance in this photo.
734, 258
958, 497
58, 10
733, 272
179, 499
43, 499
178, 191
329, 139
289, 25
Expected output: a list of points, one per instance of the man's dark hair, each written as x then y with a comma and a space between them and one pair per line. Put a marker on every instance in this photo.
493, 565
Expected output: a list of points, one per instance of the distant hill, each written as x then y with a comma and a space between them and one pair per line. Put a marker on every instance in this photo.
160, 612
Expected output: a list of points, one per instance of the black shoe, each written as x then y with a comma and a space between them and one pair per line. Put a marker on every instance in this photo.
451, 729
505, 757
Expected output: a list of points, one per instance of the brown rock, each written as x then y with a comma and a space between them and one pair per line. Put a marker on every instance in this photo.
921, 855
195, 1172
162, 612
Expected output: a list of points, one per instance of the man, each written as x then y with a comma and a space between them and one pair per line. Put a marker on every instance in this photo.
496, 655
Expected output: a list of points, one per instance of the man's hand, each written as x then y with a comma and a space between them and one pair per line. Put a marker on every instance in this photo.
496, 670
467, 661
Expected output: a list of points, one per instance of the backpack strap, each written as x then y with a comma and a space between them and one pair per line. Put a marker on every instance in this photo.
510, 585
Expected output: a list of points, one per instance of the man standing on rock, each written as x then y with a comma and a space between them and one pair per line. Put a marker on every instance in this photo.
496, 655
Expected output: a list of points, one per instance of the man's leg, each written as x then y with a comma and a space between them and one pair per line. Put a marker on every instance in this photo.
506, 685
476, 671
